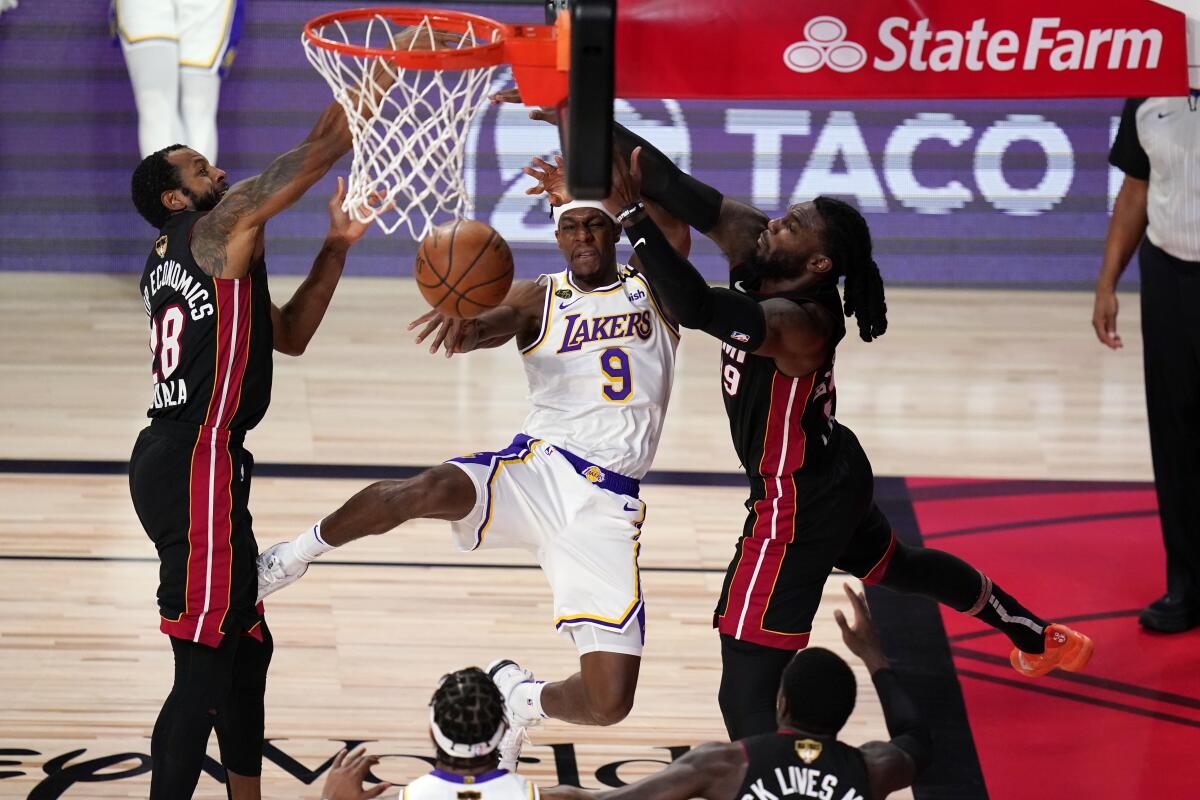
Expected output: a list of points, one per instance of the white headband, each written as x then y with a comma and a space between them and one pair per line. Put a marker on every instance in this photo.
453, 748
558, 211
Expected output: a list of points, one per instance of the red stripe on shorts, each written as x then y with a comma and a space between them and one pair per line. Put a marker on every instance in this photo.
763, 551
210, 555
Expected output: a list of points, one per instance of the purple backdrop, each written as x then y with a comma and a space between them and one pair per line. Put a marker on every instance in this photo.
966, 192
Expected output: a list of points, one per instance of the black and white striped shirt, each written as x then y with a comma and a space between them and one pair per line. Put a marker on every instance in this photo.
1159, 141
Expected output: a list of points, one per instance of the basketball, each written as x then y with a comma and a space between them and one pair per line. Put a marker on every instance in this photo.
464, 268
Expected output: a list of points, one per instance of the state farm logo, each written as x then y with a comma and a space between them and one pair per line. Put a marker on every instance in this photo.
918, 46
825, 45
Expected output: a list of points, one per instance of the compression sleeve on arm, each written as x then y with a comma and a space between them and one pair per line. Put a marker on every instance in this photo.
681, 195
729, 316
904, 722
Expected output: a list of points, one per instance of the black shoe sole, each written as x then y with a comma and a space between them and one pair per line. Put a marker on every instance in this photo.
1175, 623
499, 666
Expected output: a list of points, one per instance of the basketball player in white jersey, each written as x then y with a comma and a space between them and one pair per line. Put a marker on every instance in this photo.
177, 51
599, 358
467, 720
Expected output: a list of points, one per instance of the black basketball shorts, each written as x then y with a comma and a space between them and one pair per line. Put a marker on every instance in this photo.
798, 528
190, 487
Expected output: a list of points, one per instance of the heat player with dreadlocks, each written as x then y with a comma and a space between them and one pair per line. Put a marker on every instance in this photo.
811, 505
467, 720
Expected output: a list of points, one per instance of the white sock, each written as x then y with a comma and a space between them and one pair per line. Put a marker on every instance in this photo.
199, 91
309, 546
154, 72
526, 701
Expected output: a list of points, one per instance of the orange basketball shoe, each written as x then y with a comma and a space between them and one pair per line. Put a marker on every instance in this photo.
1065, 649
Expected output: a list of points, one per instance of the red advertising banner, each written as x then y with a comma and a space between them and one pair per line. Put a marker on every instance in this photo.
770, 49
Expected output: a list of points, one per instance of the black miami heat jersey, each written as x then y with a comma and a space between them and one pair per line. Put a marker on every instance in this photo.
780, 424
787, 763
210, 338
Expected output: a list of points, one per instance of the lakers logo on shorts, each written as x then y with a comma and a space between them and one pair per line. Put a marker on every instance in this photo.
160, 246
594, 474
808, 750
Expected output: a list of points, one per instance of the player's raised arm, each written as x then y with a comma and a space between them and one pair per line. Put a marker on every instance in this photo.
733, 225
223, 240
795, 336
894, 764
518, 316
294, 325
552, 181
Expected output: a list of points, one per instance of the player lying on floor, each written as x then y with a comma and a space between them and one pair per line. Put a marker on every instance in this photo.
803, 757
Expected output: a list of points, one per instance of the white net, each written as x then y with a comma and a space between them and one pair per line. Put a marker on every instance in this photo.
409, 125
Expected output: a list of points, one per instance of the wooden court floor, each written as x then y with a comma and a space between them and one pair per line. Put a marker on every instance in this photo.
965, 383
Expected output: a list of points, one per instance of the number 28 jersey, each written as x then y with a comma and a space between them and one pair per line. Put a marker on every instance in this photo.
600, 372
210, 338
781, 423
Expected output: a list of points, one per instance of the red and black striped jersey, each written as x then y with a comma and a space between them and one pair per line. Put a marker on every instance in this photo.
210, 338
780, 423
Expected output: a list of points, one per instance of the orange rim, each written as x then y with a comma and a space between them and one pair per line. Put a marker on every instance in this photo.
488, 54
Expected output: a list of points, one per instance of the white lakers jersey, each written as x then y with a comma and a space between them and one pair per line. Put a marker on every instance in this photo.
600, 373
498, 785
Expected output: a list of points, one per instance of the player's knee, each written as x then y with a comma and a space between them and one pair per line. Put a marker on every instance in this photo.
434, 493
896, 572
443, 492
611, 705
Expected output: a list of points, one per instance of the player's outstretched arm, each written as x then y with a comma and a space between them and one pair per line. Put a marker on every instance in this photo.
733, 225
552, 181
712, 771
795, 335
519, 316
894, 764
223, 240
294, 325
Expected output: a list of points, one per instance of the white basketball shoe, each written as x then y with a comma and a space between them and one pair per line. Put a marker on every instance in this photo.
278, 566
507, 676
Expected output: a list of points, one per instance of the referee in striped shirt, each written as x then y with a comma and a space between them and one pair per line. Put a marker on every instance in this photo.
1158, 148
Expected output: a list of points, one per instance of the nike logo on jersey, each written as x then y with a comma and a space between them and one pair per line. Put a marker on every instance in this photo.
737, 286
639, 243
635, 508
1162, 114
561, 306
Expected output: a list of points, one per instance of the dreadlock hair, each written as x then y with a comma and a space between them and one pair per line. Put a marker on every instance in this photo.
468, 708
153, 176
848, 240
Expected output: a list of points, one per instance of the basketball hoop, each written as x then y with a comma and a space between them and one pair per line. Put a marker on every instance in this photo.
410, 81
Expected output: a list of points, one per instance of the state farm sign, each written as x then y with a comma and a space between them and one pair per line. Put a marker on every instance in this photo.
913, 44
895, 49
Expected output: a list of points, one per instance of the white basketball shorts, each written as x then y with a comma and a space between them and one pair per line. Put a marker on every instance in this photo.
207, 30
580, 521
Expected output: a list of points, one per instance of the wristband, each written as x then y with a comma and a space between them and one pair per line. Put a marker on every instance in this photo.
630, 210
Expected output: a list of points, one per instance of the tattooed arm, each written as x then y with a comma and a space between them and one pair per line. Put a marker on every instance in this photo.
224, 238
